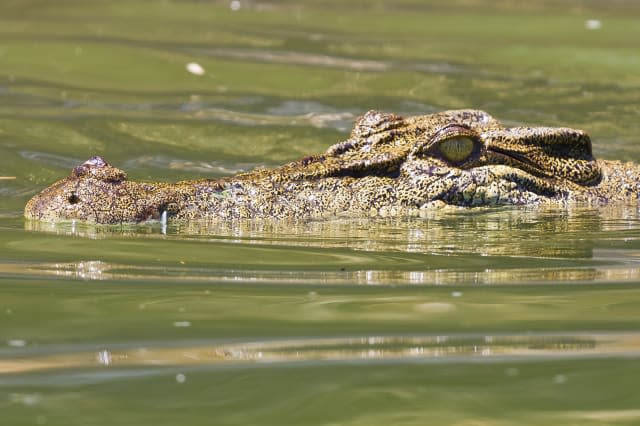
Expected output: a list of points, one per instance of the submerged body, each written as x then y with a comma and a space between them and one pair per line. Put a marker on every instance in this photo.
389, 166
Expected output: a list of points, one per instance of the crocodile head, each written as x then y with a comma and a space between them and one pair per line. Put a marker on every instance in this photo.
459, 157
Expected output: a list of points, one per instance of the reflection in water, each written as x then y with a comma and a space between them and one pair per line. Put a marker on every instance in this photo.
518, 232
463, 246
100, 270
366, 348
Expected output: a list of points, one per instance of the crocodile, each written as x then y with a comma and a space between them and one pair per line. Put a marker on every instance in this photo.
389, 166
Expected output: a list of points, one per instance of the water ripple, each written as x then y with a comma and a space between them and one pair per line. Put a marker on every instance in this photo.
428, 348
294, 58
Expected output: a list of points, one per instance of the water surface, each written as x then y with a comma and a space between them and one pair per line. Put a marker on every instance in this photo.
487, 316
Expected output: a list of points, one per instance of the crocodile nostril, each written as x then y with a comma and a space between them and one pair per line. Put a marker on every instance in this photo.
73, 199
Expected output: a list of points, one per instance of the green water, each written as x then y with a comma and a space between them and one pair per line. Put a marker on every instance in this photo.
483, 317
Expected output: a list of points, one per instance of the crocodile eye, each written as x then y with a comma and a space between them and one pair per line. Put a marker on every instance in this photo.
73, 199
454, 143
456, 149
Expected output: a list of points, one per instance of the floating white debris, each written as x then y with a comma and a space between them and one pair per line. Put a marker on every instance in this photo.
593, 24
235, 5
181, 378
104, 357
163, 222
195, 68
456, 294
17, 343
182, 324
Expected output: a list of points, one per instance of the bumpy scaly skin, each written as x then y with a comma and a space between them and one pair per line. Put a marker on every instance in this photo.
389, 166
